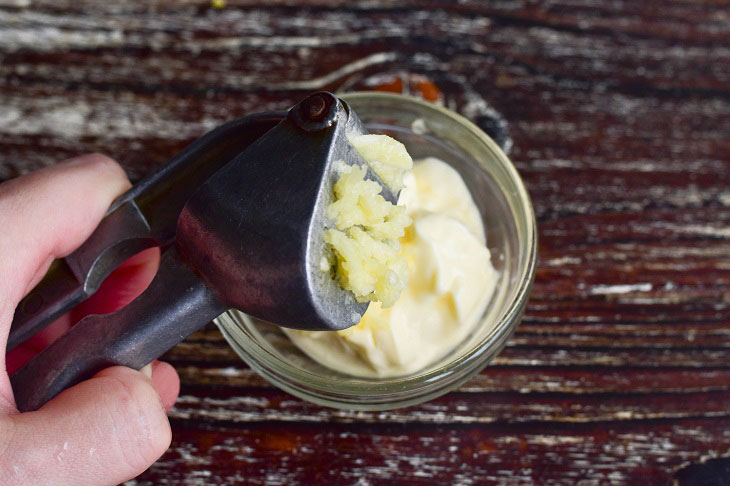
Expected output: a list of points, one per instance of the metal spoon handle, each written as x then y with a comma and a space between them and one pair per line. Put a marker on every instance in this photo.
176, 303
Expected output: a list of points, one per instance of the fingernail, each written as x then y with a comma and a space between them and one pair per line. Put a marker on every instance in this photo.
147, 371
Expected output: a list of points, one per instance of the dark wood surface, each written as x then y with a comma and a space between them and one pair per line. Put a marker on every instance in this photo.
618, 116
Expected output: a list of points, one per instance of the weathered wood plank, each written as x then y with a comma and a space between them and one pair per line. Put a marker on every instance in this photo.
380, 454
618, 118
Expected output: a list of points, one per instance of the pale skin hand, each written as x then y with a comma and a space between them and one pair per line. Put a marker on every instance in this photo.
113, 426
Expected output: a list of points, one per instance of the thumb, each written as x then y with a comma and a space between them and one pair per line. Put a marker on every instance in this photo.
102, 431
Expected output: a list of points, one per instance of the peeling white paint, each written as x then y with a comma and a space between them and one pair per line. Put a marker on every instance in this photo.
620, 289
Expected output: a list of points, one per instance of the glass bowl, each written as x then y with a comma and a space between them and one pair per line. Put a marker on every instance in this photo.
426, 130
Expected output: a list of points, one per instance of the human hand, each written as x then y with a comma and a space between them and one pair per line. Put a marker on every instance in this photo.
113, 426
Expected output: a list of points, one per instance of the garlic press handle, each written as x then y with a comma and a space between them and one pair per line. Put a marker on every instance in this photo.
176, 303
143, 217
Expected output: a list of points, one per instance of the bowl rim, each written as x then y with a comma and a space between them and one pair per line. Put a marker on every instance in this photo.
448, 375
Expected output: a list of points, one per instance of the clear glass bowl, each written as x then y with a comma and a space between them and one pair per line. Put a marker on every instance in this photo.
426, 130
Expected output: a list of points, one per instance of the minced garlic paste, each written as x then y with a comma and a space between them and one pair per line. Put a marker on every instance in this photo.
451, 280
364, 241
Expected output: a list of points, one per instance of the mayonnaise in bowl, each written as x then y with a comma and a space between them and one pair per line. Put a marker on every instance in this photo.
451, 280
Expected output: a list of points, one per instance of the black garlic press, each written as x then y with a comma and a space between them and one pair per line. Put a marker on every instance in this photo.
238, 215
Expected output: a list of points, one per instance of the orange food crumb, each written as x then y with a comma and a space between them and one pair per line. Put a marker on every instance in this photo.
395, 86
429, 90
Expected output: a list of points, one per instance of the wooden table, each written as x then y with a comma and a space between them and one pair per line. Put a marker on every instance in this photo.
618, 115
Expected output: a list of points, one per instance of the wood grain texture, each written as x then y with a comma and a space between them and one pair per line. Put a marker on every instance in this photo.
618, 119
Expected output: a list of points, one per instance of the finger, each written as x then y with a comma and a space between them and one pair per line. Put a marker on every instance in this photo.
124, 284
102, 431
166, 382
129, 280
48, 214
16, 358
120, 288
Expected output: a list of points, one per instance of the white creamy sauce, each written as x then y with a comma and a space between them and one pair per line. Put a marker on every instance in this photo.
451, 282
